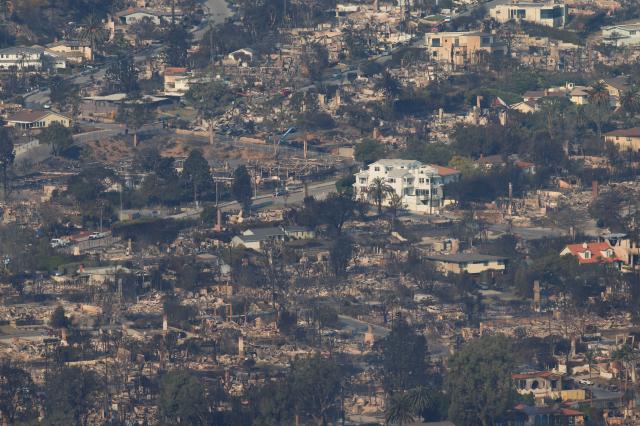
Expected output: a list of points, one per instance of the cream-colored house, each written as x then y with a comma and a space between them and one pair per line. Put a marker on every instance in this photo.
549, 14
470, 263
625, 139
462, 48
28, 119
73, 50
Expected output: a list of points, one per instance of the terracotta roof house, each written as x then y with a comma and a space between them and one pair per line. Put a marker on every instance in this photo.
591, 253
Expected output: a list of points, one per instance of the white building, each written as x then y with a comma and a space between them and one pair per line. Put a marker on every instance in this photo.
542, 13
21, 58
419, 185
621, 35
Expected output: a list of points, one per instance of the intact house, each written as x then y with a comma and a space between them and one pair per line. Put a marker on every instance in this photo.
28, 119
75, 51
592, 253
621, 35
540, 384
21, 58
458, 49
255, 238
31, 58
616, 86
132, 16
470, 263
549, 14
420, 186
177, 81
108, 105
624, 139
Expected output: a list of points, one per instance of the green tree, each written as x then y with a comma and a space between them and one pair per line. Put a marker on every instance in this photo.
630, 101
177, 41
17, 392
242, 187
7, 156
211, 100
182, 399
316, 60
344, 185
316, 383
340, 254
479, 382
63, 92
399, 410
134, 114
369, 151
58, 137
335, 210
379, 190
122, 75
599, 94
403, 358
58, 318
196, 173
93, 31
70, 395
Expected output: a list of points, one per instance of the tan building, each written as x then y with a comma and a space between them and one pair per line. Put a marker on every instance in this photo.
468, 262
625, 139
28, 119
542, 13
73, 50
462, 48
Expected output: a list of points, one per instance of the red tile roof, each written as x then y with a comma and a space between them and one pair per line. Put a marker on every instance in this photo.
542, 374
174, 70
445, 171
596, 250
633, 132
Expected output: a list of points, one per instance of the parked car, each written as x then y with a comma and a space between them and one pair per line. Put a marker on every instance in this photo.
585, 382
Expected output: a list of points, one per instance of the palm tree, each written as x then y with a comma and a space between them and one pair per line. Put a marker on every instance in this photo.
599, 94
399, 410
420, 398
589, 357
630, 101
379, 190
93, 31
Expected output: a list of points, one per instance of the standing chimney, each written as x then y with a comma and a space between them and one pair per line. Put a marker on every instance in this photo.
594, 189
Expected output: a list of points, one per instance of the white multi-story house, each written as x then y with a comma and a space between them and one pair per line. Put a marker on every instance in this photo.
621, 35
420, 186
541, 13
21, 58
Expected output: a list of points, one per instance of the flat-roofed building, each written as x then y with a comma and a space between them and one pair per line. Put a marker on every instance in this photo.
541, 13
458, 49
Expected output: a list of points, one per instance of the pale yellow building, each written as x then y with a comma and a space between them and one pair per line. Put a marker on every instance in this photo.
73, 50
28, 119
467, 262
625, 139
549, 14
458, 49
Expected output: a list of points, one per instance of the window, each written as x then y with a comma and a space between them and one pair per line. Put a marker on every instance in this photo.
587, 254
485, 41
421, 180
363, 180
435, 42
377, 169
391, 180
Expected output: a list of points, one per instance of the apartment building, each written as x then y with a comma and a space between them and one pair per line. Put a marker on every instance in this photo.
542, 13
459, 49
420, 186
